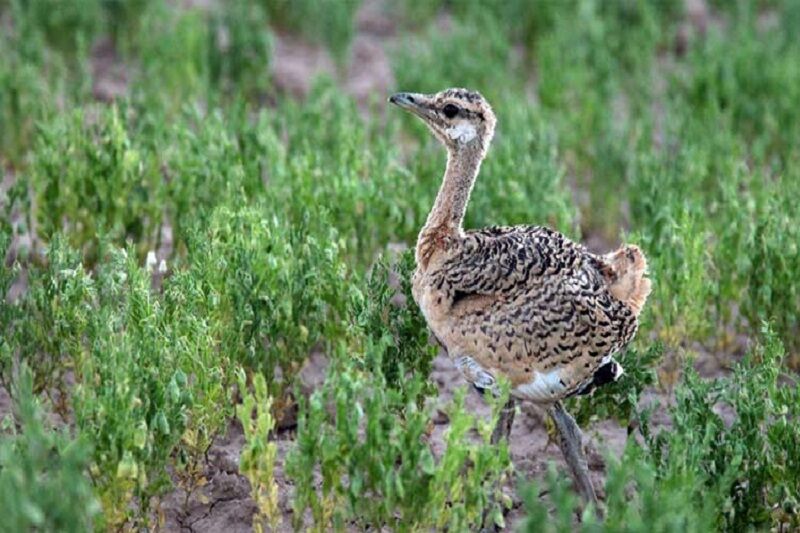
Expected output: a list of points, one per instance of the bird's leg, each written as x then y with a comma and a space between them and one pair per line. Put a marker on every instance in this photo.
571, 446
504, 422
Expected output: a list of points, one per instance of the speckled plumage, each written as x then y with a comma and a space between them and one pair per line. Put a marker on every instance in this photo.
524, 302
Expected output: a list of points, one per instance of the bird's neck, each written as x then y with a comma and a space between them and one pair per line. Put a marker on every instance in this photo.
448, 211
445, 221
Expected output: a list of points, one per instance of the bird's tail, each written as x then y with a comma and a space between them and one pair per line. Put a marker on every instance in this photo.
608, 372
627, 276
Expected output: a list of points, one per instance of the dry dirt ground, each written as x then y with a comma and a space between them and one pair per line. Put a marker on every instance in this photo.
224, 503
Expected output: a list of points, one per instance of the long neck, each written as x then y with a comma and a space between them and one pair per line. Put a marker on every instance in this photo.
451, 201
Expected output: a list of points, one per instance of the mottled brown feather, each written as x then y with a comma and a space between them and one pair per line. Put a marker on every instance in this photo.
525, 300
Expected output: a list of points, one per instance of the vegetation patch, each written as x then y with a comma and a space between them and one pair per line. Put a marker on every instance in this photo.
176, 249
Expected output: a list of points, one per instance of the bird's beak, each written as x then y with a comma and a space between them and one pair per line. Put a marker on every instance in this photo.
414, 102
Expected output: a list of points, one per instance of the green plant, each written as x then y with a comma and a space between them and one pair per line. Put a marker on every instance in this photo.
43, 482
278, 291
620, 400
326, 154
174, 50
369, 442
395, 331
107, 187
366, 430
146, 381
621, 120
257, 460
8, 313
637, 500
240, 48
477, 56
35, 79
57, 315
742, 469
66, 26
131, 390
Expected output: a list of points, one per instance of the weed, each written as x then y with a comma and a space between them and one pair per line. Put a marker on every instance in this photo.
42, 471
276, 292
403, 348
257, 460
107, 187
368, 443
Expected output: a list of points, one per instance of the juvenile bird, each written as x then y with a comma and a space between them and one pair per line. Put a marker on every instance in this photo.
522, 302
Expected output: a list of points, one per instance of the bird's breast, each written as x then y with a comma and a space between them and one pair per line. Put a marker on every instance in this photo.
432, 300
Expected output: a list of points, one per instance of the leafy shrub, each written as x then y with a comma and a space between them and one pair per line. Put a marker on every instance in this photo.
240, 50
743, 470
366, 429
394, 330
66, 25
35, 80
773, 263
146, 382
368, 443
106, 187
131, 390
8, 313
124, 19
257, 460
620, 400
277, 291
43, 482
615, 123
206, 169
637, 500
175, 52
202, 56
53, 319
22, 96
476, 57
321, 152
750, 76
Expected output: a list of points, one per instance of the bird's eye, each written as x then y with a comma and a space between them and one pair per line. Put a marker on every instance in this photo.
450, 110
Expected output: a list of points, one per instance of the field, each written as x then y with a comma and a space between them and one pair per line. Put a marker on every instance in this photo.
207, 211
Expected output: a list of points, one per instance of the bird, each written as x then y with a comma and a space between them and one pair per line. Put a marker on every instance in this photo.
523, 303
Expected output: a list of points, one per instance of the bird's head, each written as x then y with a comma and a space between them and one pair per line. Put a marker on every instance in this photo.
459, 118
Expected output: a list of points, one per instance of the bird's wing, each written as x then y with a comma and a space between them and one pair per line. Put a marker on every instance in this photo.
505, 260
529, 303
